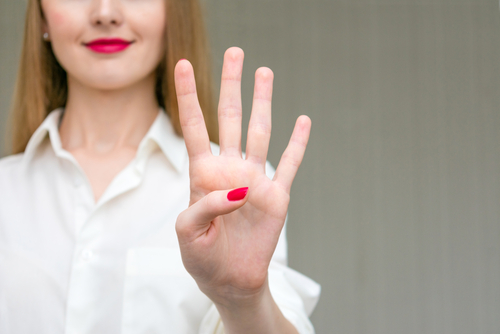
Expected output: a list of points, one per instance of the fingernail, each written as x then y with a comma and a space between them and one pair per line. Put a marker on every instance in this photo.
182, 59
237, 194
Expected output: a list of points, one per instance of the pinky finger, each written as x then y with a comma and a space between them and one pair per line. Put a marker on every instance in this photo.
294, 153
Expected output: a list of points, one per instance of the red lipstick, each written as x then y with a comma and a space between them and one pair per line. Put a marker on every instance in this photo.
108, 45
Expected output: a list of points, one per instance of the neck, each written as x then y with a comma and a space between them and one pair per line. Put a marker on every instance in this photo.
103, 121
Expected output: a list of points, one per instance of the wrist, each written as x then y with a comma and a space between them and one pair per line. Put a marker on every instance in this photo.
231, 297
253, 313
233, 300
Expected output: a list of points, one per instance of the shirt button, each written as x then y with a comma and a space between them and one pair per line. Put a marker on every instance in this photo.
87, 255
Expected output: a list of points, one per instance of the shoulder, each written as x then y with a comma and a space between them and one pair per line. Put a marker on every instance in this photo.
10, 164
17, 170
11, 168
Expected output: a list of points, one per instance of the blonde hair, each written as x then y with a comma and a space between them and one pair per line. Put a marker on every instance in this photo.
41, 82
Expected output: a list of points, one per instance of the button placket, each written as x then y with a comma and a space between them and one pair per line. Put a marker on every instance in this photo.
87, 255
82, 277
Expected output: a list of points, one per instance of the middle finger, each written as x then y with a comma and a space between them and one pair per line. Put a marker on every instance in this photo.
230, 103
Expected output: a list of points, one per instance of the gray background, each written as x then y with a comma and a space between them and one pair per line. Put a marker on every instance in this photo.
396, 209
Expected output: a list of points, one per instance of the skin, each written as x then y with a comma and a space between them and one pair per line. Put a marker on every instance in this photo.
111, 102
225, 245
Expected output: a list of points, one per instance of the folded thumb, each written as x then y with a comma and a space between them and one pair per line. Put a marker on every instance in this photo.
196, 219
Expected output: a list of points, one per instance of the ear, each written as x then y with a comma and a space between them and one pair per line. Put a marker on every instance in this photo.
45, 32
45, 26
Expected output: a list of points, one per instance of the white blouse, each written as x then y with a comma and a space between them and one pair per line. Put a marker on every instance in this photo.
70, 265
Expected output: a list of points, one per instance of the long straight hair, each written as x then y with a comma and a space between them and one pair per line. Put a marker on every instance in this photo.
41, 84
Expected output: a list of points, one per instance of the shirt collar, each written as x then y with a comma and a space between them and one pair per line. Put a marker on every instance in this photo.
161, 133
48, 127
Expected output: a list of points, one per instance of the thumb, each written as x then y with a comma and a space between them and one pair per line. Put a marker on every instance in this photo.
195, 220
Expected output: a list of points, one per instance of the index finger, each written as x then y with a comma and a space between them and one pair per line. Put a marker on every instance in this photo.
190, 115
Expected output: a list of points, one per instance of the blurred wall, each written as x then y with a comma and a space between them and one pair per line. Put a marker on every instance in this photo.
11, 32
396, 209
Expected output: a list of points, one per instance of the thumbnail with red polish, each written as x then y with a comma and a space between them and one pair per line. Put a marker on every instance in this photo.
237, 194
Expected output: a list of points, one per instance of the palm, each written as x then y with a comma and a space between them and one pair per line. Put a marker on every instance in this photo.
234, 250
230, 239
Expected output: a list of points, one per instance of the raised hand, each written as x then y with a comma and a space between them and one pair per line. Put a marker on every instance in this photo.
227, 245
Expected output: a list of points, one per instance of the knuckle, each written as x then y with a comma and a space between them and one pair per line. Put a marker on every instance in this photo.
261, 128
230, 111
193, 120
256, 159
292, 160
299, 142
210, 202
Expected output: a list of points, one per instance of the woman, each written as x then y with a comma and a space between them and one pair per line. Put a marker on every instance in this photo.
90, 202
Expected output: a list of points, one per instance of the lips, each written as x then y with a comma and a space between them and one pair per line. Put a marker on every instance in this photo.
108, 45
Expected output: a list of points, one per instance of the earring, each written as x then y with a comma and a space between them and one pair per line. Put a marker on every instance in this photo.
46, 36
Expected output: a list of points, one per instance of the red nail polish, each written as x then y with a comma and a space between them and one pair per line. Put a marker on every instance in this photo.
237, 194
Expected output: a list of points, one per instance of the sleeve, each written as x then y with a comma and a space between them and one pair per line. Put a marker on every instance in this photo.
295, 294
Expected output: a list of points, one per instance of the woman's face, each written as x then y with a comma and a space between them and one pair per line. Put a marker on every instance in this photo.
106, 44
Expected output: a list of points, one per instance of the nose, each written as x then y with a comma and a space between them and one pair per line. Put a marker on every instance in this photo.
106, 13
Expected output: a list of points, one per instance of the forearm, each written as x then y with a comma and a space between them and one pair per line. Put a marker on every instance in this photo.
257, 315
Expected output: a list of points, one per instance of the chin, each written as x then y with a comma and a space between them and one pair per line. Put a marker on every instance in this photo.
109, 85
110, 82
